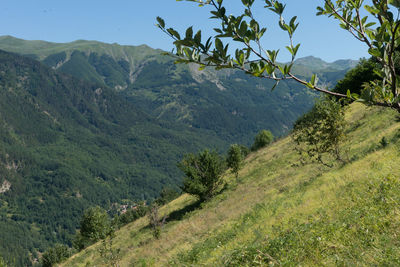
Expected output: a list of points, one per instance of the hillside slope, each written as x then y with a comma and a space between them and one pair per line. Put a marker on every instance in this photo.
284, 213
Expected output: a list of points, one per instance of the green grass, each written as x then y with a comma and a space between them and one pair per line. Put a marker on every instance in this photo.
283, 213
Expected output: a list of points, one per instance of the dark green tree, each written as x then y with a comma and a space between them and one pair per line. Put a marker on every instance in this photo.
234, 159
262, 139
355, 79
319, 133
380, 34
203, 173
55, 255
94, 226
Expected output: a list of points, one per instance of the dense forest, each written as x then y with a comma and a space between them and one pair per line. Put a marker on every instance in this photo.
67, 144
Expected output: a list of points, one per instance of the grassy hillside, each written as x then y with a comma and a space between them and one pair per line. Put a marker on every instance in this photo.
284, 213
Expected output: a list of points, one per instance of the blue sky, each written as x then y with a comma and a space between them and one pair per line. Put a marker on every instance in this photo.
131, 22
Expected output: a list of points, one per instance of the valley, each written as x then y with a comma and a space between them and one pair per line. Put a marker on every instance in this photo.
88, 123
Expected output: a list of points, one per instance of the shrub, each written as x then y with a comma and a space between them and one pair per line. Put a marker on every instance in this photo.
318, 133
54, 255
234, 159
95, 225
262, 139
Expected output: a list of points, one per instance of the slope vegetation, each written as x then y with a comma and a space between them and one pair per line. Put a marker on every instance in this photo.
282, 212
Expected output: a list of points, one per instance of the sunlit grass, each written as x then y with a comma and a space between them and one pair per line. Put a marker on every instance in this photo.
277, 199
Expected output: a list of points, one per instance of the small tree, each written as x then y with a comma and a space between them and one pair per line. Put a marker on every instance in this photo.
262, 139
319, 133
234, 159
203, 173
54, 255
108, 252
95, 225
155, 221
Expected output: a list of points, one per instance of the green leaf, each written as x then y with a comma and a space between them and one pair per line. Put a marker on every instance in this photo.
197, 38
275, 85
189, 33
161, 22
174, 33
314, 80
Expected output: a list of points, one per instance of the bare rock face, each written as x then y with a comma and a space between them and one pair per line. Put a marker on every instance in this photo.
6, 186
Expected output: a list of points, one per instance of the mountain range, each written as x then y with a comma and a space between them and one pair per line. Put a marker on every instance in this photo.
87, 123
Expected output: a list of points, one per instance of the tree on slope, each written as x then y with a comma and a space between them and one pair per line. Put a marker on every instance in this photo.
234, 159
319, 133
203, 173
380, 34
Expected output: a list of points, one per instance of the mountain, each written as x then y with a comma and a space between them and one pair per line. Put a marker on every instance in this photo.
87, 123
67, 144
281, 212
231, 104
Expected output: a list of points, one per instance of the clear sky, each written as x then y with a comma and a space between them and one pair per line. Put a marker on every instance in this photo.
131, 22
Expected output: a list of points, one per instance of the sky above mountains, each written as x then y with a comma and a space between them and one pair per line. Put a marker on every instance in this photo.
132, 22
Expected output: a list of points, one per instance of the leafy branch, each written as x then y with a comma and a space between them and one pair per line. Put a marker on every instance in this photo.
252, 58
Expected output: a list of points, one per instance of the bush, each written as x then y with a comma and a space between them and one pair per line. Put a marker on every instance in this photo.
234, 159
54, 255
155, 221
203, 173
318, 133
95, 225
262, 139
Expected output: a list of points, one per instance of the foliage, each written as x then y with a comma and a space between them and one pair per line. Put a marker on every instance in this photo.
262, 139
254, 59
384, 142
2, 262
131, 214
109, 253
167, 194
280, 201
94, 226
355, 79
199, 99
235, 158
55, 254
156, 223
320, 132
203, 173
65, 145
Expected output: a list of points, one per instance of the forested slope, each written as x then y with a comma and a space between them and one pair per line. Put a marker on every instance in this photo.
231, 104
66, 144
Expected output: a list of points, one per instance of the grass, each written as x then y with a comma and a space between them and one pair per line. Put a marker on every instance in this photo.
285, 213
